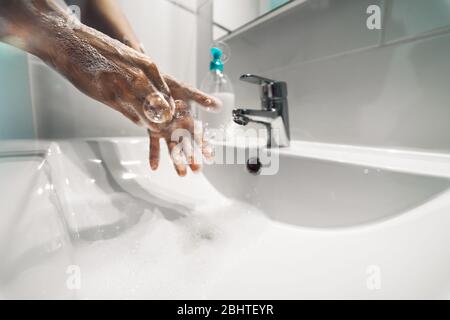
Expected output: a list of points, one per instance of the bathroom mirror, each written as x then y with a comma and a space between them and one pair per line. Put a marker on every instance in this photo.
230, 16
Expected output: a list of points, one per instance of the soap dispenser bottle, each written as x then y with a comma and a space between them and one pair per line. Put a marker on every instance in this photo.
217, 84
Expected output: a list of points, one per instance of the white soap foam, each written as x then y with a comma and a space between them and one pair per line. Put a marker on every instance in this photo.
159, 258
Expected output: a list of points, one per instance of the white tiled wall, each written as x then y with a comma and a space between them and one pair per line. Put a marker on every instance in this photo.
204, 38
168, 31
232, 14
409, 18
351, 85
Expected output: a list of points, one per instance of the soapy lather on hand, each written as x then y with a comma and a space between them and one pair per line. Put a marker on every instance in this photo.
107, 63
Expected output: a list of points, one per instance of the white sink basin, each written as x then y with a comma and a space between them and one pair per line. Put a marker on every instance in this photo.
318, 186
334, 222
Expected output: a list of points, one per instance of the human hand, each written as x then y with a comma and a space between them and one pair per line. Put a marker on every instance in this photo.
105, 69
182, 136
131, 83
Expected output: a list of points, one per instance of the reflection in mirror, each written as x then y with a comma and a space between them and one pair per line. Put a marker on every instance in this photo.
229, 15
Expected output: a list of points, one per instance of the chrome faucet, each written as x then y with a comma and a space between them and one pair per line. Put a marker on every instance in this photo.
274, 110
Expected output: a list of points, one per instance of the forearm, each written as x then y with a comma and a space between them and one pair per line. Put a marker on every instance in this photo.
78, 52
107, 17
30, 25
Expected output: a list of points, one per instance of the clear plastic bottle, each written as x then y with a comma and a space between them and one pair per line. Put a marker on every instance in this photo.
217, 84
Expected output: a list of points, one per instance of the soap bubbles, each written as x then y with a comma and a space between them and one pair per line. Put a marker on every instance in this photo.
155, 109
74, 16
154, 113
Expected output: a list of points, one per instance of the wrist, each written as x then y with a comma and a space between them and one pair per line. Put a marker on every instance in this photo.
52, 39
32, 26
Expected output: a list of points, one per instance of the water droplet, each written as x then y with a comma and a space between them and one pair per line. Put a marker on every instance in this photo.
182, 114
154, 110
154, 115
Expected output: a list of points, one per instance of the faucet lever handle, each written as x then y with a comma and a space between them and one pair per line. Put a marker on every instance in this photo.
270, 89
251, 78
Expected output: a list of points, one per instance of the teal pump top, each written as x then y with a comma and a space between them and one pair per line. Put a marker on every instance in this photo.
216, 63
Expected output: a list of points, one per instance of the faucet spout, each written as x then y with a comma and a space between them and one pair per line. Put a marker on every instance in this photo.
273, 113
244, 116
